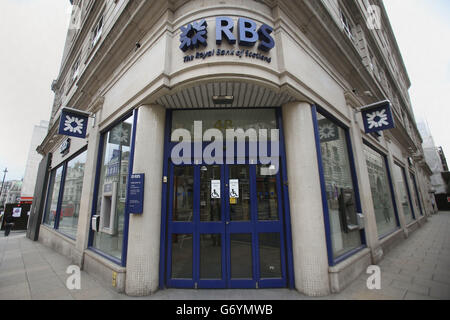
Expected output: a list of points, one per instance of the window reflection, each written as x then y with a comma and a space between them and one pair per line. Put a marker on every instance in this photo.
182, 256
341, 201
52, 201
270, 255
224, 119
400, 184
266, 189
241, 256
210, 256
70, 206
210, 208
240, 207
381, 192
416, 194
183, 193
112, 188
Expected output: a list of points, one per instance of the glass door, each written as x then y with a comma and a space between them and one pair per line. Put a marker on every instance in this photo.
211, 272
256, 251
225, 227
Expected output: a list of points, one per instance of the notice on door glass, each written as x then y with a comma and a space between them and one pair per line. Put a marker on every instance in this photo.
17, 212
215, 189
234, 188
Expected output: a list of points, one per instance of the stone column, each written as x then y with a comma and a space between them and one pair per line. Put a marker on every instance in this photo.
308, 227
142, 273
87, 194
365, 192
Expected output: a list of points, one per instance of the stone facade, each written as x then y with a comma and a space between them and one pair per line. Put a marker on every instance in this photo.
124, 55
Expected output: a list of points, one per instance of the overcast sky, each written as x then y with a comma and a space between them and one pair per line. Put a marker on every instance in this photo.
32, 36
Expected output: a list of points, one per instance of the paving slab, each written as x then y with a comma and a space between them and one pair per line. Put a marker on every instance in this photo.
416, 269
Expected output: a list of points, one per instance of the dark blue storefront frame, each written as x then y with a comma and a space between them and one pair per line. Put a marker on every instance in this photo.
253, 227
405, 179
58, 213
413, 176
122, 262
333, 261
391, 187
283, 207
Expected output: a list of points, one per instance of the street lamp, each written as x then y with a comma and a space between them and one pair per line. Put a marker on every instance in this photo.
3, 182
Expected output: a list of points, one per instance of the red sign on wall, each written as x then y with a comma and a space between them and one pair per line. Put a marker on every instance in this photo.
448, 199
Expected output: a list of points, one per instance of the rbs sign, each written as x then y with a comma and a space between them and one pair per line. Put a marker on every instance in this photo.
248, 34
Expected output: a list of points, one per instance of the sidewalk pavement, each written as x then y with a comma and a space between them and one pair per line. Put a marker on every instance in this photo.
417, 269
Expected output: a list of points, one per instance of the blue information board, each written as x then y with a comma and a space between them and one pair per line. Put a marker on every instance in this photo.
136, 194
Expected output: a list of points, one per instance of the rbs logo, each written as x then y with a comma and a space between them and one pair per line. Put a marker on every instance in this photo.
195, 34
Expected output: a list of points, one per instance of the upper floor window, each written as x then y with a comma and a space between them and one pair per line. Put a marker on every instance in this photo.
76, 69
347, 25
97, 32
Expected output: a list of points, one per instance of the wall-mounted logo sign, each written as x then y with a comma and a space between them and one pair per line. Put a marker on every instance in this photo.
195, 35
73, 123
378, 117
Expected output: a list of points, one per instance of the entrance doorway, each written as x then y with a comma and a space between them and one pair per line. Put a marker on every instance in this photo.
225, 222
225, 228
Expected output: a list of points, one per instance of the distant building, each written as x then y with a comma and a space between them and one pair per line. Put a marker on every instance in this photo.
34, 158
4, 193
11, 192
437, 162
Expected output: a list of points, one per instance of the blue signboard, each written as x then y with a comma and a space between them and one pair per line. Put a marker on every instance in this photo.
136, 194
378, 117
73, 123
195, 34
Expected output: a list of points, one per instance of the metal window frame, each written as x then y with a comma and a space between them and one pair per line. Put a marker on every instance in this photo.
416, 189
315, 109
164, 252
405, 179
391, 187
123, 259
61, 195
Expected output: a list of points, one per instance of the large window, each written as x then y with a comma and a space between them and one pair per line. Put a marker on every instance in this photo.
112, 186
341, 203
416, 196
224, 119
64, 196
52, 197
381, 192
71, 197
403, 193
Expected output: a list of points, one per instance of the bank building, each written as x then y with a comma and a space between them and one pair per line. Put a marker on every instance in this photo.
230, 144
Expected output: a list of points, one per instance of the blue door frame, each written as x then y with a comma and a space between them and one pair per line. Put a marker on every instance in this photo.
225, 228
